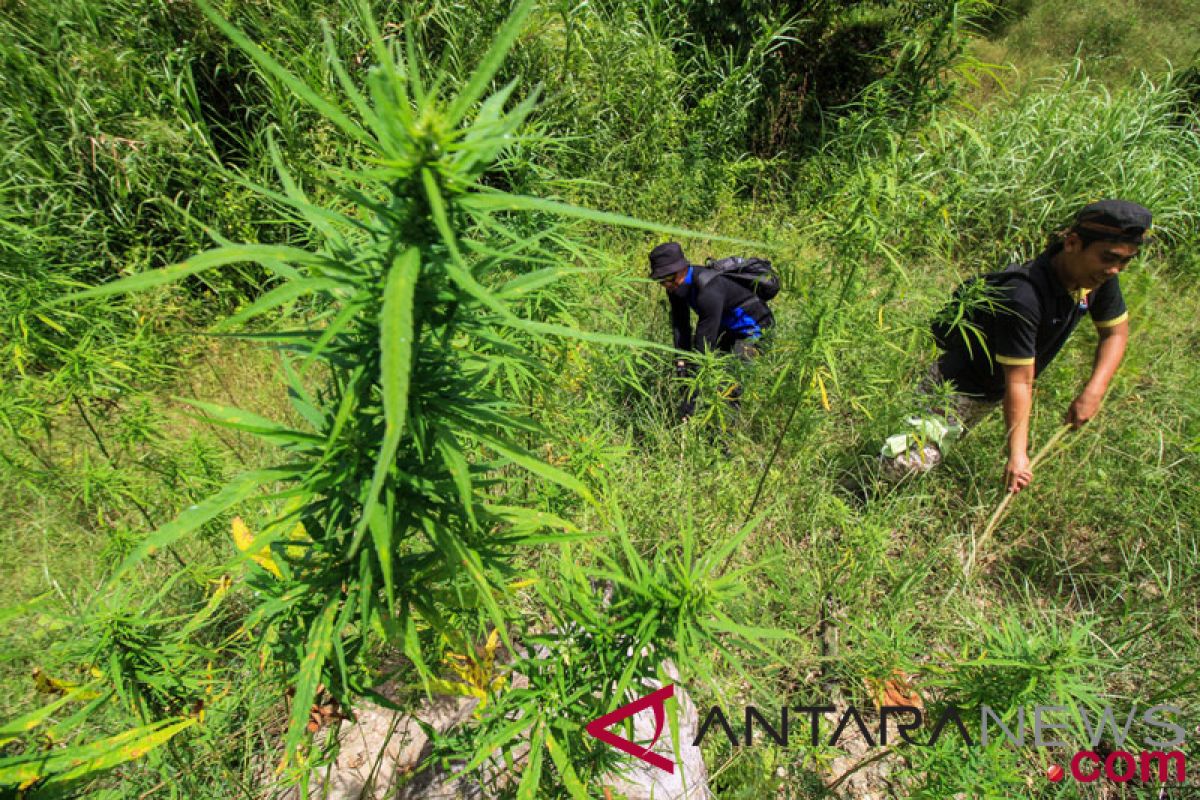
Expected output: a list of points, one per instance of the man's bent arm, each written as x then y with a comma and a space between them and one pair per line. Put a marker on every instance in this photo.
681, 323
1109, 352
1018, 401
710, 306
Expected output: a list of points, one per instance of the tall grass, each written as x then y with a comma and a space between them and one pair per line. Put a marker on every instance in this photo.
114, 119
994, 184
1063, 606
1116, 41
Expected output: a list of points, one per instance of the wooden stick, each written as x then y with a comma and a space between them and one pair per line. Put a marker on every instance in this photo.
998, 514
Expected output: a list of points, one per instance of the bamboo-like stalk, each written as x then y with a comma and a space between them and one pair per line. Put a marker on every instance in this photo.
998, 514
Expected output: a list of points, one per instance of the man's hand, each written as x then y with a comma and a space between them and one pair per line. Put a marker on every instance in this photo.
1109, 351
687, 406
1018, 400
1084, 408
1017, 473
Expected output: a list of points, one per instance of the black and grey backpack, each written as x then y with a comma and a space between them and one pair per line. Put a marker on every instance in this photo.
756, 274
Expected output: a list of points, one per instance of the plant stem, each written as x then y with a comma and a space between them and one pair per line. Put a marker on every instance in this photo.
998, 514
108, 456
95, 434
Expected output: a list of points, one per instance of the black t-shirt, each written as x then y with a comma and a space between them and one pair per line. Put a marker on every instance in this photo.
1029, 323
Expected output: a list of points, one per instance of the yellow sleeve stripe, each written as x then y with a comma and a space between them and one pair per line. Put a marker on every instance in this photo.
1014, 362
1108, 323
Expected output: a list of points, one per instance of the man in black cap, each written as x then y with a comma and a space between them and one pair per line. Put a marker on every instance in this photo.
1004, 340
731, 318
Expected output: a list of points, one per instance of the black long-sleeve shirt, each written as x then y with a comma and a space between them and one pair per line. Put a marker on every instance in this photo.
721, 305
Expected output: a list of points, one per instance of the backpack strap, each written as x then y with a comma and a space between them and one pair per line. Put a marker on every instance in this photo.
754, 305
702, 276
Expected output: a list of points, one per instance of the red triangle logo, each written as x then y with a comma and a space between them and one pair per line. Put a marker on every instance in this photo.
599, 728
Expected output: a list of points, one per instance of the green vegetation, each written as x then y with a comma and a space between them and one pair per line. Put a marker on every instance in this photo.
1115, 40
428, 422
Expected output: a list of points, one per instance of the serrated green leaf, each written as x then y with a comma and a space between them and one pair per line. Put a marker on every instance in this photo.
459, 469
279, 296
194, 516
77, 761
249, 422
490, 62
218, 257
565, 771
380, 524
489, 201
502, 738
396, 342
531, 776
523, 458
316, 650
130, 750
27, 722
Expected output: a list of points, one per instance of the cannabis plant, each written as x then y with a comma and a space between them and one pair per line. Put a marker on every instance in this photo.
408, 368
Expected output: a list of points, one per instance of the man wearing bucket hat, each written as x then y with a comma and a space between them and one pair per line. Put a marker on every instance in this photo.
731, 317
1003, 329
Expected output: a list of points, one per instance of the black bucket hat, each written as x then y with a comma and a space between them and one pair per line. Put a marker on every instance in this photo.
1114, 221
667, 259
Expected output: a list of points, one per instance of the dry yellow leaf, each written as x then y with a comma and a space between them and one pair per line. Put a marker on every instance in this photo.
49, 685
243, 538
897, 690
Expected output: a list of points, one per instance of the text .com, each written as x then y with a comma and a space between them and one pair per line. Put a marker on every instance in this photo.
1149, 766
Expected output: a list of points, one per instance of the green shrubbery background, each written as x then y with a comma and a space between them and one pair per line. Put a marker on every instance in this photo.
883, 150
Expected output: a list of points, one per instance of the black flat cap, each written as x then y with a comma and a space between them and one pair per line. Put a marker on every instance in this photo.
1115, 220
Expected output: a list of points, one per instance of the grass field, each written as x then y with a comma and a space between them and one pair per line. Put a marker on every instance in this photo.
1115, 41
436, 396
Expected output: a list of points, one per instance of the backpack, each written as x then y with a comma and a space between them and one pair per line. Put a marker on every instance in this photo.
755, 274
952, 322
